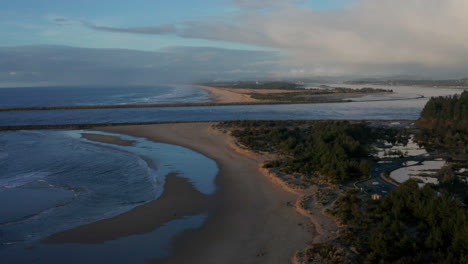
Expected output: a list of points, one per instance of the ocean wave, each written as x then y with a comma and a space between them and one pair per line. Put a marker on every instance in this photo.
22, 179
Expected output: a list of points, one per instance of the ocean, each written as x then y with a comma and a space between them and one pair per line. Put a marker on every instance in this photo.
52, 181
89, 95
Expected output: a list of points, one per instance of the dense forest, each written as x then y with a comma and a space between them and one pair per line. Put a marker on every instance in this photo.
336, 150
419, 225
411, 225
454, 108
444, 122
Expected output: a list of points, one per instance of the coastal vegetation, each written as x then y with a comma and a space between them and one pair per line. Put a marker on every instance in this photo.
312, 95
409, 225
337, 151
444, 129
332, 89
444, 122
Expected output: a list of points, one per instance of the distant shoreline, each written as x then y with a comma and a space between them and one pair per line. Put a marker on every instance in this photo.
91, 126
219, 97
84, 107
77, 107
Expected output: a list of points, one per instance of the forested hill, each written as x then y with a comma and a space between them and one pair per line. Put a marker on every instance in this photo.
450, 108
444, 122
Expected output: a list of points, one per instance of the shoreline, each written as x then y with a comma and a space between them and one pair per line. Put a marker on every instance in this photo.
179, 199
84, 107
106, 125
218, 96
107, 139
251, 220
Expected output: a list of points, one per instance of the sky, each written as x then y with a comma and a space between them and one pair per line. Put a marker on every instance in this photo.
293, 38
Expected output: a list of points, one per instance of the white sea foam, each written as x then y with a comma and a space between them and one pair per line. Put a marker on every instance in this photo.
167, 159
22, 179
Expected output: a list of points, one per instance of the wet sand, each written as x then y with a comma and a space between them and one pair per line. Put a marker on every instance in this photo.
107, 139
179, 199
251, 221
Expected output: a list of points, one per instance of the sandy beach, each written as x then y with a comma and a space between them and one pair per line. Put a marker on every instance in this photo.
235, 95
250, 222
226, 95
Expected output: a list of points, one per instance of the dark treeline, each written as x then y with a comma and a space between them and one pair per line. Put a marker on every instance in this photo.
371, 90
411, 225
354, 90
444, 122
454, 108
336, 150
311, 95
296, 97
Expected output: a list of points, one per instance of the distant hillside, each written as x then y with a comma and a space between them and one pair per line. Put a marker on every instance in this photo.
431, 83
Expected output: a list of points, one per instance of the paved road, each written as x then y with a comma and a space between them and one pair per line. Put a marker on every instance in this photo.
383, 187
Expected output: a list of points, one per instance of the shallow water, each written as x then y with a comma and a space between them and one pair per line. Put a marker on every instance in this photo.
133, 249
408, 150
52, 181
414, 172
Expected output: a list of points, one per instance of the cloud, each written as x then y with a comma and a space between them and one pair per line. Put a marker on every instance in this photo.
149, 30
61, 65
369, 37
370, 33
155, 30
